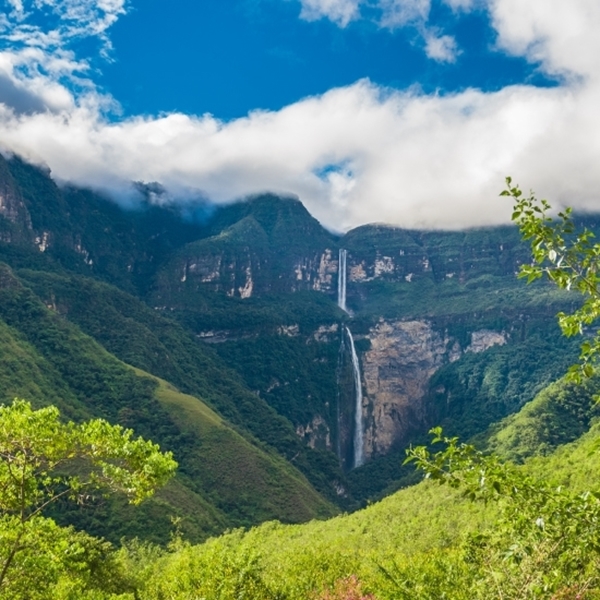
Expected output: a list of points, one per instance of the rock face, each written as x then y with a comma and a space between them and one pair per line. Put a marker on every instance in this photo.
325, 277
15, 220
396, 370
264, 246
316, 434
484, 339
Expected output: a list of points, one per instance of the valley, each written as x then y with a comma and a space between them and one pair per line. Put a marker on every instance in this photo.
286, 367
242, 307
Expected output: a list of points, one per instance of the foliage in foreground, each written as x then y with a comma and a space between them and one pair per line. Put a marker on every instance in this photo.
493, 531
570, 258
43, 460
546, 539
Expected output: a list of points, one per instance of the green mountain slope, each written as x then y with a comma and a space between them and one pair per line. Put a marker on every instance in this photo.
246, 483
225, 479
147, 339
560, 413
237, 305
405, 546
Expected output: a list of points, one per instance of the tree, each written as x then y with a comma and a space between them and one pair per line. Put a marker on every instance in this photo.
569, 258
42, 460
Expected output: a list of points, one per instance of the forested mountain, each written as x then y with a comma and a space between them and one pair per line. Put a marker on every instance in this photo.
216, 332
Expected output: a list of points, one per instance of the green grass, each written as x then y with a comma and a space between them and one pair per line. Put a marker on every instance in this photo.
410, 541
297, 561
184, 405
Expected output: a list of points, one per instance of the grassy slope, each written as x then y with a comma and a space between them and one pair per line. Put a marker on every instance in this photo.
149, 340
25, 373
417, 525
559, 414
575, 465
296, 561
225, 480
428, 516
243, 480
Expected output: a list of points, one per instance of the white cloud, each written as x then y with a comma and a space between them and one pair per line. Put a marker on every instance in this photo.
34, 59
458, 5
341, 12
73, 18
562, 36
442, 48
399, 13
390, 14
356, 154
404, 158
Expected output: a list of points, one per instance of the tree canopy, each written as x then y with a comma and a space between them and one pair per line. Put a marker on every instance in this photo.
44, 459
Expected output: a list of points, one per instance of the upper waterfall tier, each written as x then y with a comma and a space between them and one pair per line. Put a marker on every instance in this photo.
342, 280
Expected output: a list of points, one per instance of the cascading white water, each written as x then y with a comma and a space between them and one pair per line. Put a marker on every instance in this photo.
342, 280
359, 457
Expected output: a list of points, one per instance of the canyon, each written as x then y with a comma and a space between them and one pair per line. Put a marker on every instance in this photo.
336, 351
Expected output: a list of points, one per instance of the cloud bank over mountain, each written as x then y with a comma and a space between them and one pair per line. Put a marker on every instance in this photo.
354, 154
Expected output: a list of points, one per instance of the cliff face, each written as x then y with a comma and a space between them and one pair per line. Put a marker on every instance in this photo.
268, 245
15, 221
242, 272
397, 369
246, 260
396, 372
394, 254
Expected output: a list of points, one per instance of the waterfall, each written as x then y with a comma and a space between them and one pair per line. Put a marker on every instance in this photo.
359, 457
358, 444
342, 280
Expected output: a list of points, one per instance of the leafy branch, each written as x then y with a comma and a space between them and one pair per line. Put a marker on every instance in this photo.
43, 459
570, 259
544, 537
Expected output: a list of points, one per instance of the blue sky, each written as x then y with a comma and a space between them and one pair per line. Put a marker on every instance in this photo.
409, 112
230, 57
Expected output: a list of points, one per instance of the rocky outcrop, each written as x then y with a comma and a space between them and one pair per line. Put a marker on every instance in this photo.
204, 268
326, 333
396, 370
325, 277
43, 241
14, 213
316, 434
289, 330
484, 339
232, 274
